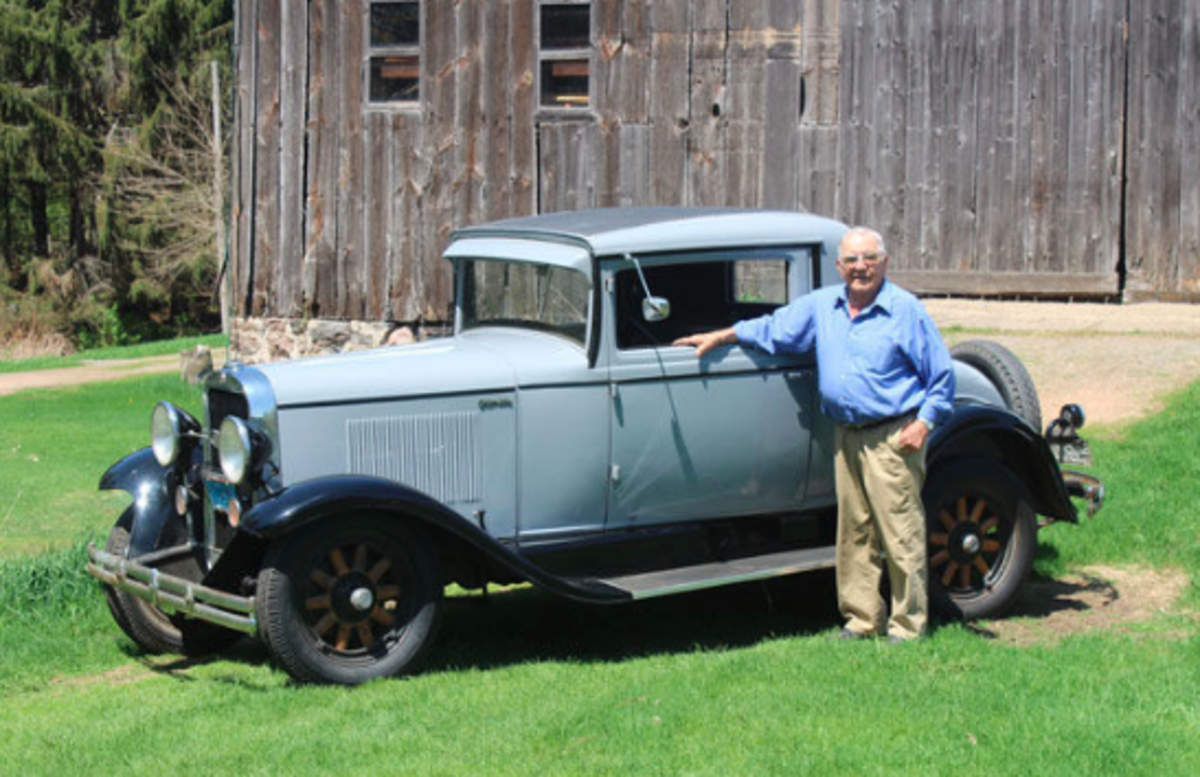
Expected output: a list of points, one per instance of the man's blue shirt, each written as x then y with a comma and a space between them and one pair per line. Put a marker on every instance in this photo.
887, 361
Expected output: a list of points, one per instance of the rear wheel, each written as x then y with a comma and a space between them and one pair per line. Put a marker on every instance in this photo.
350, 601
982, 537
1006, 372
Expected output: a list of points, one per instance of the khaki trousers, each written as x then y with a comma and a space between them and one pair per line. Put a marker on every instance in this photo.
879, 509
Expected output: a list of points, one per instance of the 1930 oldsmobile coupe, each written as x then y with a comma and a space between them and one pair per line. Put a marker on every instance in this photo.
557, 438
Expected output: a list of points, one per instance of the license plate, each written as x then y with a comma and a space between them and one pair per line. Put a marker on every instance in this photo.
1075, 453
219, 495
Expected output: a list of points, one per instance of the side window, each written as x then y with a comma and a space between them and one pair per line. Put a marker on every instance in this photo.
564, 54
704, 295
395, 53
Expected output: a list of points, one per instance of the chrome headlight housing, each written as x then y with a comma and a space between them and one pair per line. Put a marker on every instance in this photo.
168, 426
235, 449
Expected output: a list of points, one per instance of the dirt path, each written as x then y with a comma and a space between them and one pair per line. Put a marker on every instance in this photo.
92, 372
1118, 361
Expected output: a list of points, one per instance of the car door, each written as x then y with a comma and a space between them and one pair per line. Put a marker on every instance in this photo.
725, 435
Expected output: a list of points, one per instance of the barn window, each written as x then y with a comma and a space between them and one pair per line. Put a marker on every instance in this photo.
395, 50
565, 38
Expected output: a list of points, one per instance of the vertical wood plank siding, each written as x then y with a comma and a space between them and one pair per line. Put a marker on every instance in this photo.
986, 140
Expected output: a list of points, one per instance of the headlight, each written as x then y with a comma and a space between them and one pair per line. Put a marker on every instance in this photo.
168, 424
233, 449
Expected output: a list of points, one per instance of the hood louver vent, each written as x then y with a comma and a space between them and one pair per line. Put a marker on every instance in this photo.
437, 454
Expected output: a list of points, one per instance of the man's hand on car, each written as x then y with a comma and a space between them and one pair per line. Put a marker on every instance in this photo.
706, 341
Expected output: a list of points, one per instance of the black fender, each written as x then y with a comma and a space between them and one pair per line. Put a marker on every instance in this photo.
152, 486
994, 432
325, 498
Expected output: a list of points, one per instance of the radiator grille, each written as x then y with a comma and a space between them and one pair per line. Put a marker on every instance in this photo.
221, 405
437, 454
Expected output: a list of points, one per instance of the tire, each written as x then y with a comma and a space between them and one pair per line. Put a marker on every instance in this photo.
1005, 371
350, 601
151, 629
982, 537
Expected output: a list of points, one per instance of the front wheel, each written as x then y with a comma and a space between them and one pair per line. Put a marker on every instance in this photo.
349, 600
982, 537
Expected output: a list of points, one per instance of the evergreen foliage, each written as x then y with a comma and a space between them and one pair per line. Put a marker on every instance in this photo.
105, 146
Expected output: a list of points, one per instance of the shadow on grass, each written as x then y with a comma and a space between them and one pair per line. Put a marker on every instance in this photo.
525, 625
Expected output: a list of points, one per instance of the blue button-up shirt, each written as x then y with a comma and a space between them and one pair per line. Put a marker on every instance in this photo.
889, 360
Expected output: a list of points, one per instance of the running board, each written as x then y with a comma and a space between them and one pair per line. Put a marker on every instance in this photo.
684, 579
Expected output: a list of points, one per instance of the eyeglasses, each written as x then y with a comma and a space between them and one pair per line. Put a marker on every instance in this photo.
867, 259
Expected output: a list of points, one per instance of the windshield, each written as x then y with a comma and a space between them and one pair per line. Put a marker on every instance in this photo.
533, 296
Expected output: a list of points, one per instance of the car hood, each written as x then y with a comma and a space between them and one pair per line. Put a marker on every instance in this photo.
474, 362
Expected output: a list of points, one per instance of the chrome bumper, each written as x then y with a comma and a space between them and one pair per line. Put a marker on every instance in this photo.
1085, 487
173, 594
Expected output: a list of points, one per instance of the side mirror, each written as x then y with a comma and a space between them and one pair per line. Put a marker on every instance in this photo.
656, 309
653, 308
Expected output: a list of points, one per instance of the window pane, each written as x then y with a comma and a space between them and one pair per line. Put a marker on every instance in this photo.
566, 26
395, 79
565, 83
395, 24
531, 296
760, 281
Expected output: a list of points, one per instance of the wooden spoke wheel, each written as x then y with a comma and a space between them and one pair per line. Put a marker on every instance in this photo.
982, 537
349, 600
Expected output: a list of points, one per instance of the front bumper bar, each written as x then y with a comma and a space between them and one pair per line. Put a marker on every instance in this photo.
1085, 487
173, 594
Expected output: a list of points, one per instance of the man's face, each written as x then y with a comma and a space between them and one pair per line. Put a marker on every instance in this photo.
862, 265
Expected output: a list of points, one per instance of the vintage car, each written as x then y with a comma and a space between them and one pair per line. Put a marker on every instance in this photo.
557, 438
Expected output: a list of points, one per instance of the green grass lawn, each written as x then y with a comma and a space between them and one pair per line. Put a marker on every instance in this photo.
55, 445
143, 350
739, 681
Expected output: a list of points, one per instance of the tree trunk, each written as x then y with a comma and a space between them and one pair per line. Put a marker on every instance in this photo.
39, 219
6, 229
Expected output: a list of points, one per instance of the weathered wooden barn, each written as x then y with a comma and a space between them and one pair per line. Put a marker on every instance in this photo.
1033, 148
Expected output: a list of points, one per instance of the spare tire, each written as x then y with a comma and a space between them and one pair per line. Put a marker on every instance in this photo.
1005, 371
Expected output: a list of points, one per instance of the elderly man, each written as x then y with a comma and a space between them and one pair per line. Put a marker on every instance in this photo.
887, 381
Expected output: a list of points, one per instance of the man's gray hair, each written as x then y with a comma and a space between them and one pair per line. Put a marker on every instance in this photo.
864, 232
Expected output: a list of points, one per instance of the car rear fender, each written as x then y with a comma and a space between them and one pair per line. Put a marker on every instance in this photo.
990, 432
326, 498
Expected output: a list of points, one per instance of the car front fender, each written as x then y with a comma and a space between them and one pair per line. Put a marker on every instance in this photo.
992, 432
151, 486
325, 498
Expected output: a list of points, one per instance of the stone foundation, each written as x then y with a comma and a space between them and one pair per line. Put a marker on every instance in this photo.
257, 340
